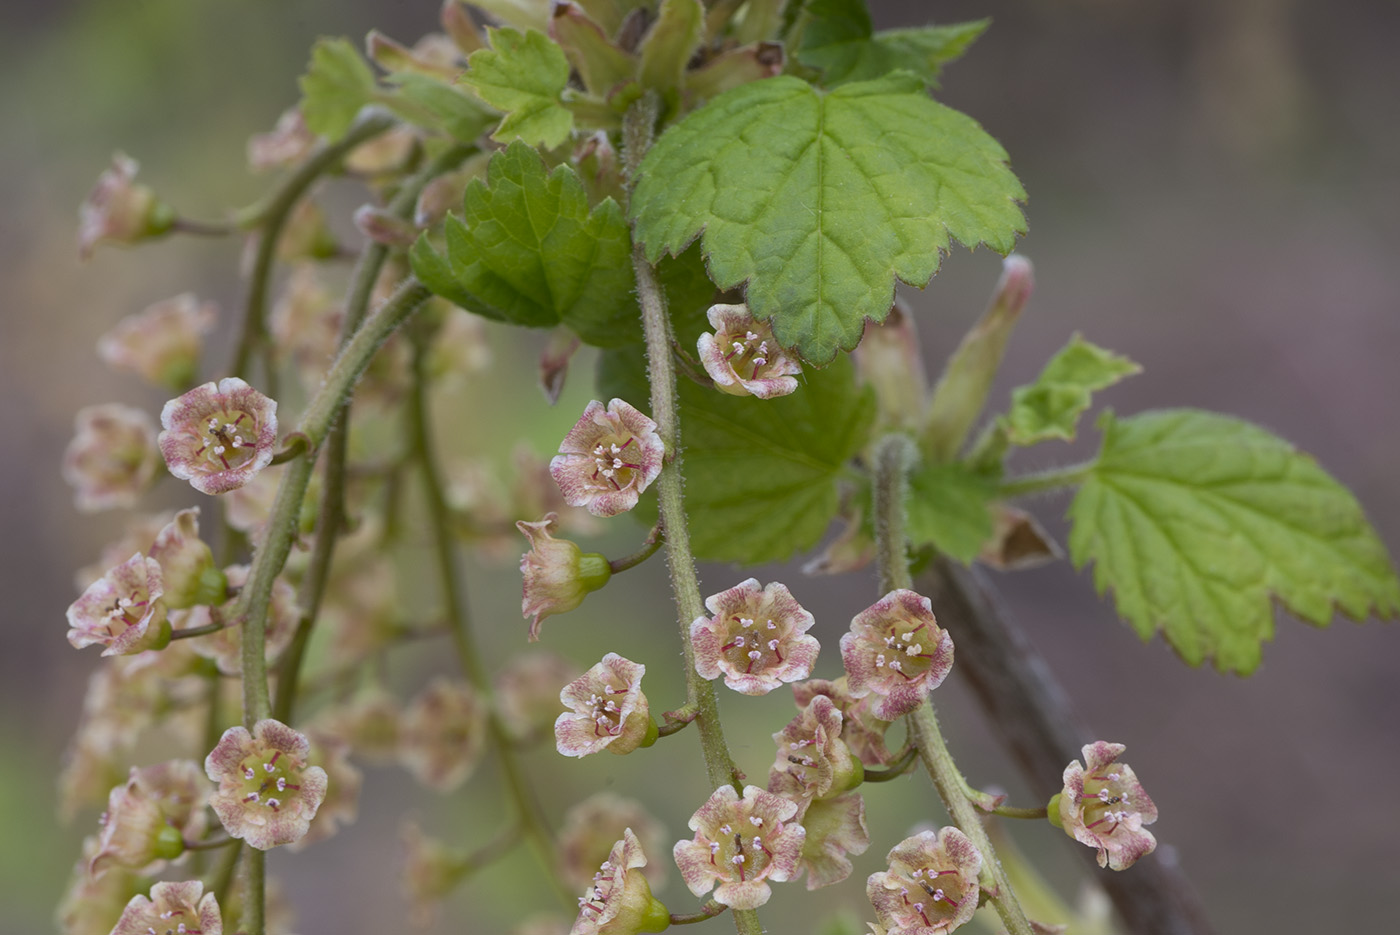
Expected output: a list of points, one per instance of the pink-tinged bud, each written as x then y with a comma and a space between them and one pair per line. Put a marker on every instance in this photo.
619, 900
187, 564
1104, 806
442, 734
608, 710
812, 753
931, 886
741, 845
120, 211
431, 871
149, 818
558, 574
162, 343
435, 56
889, 359
731, 68
592, 826
218, 436
112, 458
608, 458
756, 638
122, 610
285, 144
897, 650
268, 791
341, 805
225, 647
862, 731
384, 227
527, 696
172, 909
458, 24
743, 357
558, 350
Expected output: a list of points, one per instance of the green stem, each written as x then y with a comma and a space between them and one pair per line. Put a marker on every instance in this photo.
707, 911
685, 583
1042, 481
221, 881
254, 892
455, 605
1009, 811
655, 539
896, 769
894, 455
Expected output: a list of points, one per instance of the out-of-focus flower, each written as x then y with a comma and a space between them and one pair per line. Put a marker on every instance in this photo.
862, 731
369, 723
619, 900
897, 650
172, 909
431, 871
557, 574
306, 235
741, 844
527, 694
835, 827
442, 734
162, 343
1104, 806
91, 905
609, 711
268, 792
187, 564
931, 886
225, 646
757, 638
608, 458
286, 143
112, 458
218, 436
122, 611
341, 806
150, 817
121, 211
743, 357
590, 828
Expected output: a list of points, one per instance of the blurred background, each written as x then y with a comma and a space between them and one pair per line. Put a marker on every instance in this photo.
1213, 192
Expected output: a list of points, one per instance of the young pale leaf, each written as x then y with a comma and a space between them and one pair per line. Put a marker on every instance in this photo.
949, 508
820, 201
527, 250
760, 474
336, 85
840, 40
670, 43
433, 105
1051, 406
523, 75
527, 14
1198, 521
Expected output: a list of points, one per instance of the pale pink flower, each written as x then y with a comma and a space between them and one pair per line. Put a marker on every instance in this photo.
742, 845
863, 732
557, 574
835, 827
120, 211
431, 871
268, 792
186, 563
609, 711
527, 694
172, 909
743, 357
218, 436
112, 458
150, 817
757, 638
931, 887
619, 900
589, 829
608, 458
442, 734
897, 650
225, 647
811, 751
288, 142
122, 610
162, 343
1104, 806
369, 723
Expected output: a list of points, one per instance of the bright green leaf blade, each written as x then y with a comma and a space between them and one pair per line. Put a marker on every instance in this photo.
1051, 406
1197, 521
819, 202
429, 103
527, 14
949, 508
523, 75
336, 85
839, 39
529, 251
760, 475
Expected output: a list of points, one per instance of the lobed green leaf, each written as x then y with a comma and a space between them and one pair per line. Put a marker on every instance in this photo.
1198, 521
949, 507
1051, 406
819, 202
839, 39
337, 83
523, 75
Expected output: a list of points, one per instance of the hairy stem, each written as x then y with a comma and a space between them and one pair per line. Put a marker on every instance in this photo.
1042, 481
685, 583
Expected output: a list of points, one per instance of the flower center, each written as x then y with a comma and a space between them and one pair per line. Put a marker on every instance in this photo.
127, 612
1106, 806
905, 653
173, 924
753, 642
748, 352
595, 901
612, 468
738, 857
269, 780
228, 439
606, 711
930, 897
